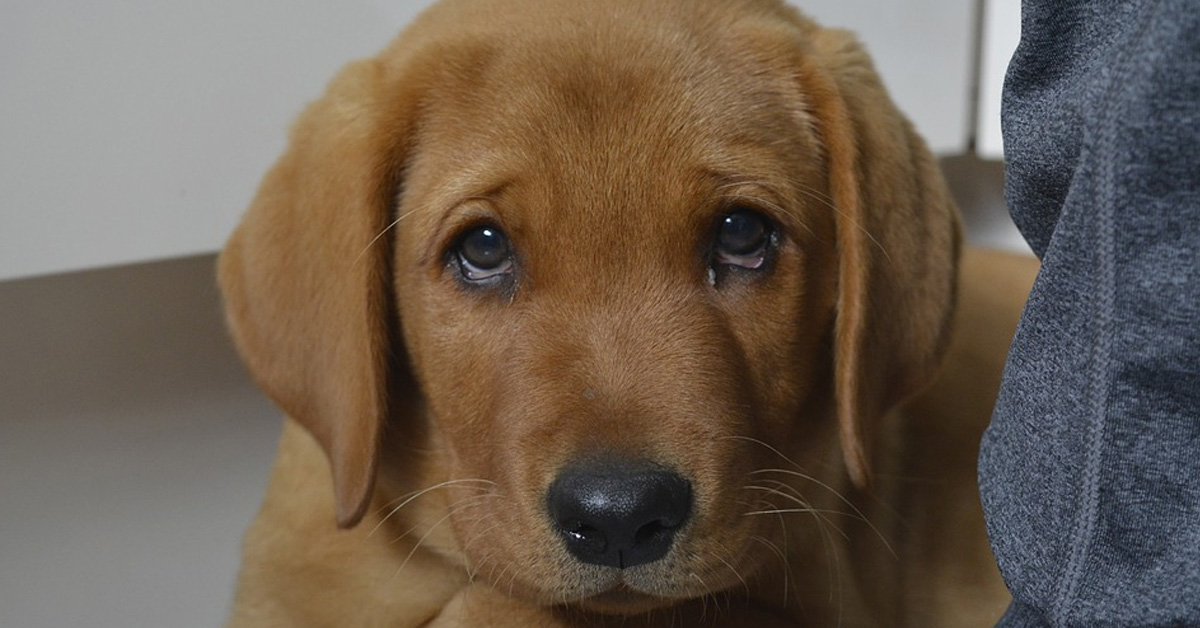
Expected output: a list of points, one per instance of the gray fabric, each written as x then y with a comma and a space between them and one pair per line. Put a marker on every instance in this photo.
1090, 471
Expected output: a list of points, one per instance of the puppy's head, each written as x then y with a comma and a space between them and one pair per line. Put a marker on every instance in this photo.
628, 258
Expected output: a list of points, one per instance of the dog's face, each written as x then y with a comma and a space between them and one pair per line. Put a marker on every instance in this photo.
629, 260
609, 265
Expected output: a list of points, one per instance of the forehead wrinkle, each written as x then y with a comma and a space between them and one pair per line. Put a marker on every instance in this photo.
619, 93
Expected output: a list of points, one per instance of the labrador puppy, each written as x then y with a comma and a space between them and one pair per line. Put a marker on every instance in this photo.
616, 313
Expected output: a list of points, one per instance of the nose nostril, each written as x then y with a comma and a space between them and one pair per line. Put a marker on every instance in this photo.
651, 532
584, 535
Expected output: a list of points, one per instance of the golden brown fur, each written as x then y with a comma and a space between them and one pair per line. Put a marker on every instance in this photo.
607, 138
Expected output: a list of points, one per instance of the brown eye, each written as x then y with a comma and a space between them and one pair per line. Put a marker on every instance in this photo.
742, 239
483, 253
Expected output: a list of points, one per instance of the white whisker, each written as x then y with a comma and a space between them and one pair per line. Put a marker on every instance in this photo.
458, 506
745, 584
813, 194
386, 229
858, 513
782, 558
756, 200
406, 500
828, 202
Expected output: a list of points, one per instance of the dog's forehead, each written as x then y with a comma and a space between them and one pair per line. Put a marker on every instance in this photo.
603, 143
617, 119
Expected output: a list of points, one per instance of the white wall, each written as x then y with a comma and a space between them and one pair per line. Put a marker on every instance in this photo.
134, 130
1001, 33
924, 50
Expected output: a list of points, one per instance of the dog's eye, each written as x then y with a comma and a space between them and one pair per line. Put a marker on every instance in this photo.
742, 239
483, 253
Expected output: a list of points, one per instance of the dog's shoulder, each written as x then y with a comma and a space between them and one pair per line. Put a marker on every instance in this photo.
300, 569
931, 476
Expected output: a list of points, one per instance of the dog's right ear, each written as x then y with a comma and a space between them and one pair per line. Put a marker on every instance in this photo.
306, 278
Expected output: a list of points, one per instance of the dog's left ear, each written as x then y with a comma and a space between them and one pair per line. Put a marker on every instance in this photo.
306, 277
898, 239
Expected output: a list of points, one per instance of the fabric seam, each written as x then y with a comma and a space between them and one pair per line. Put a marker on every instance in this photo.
1100, 357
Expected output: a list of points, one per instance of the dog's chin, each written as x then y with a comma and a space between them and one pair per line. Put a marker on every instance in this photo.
626, 592
623, 600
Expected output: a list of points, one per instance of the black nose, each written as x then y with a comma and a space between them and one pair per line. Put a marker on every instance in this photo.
619, 514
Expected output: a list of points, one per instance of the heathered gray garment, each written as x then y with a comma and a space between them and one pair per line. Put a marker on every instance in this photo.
1090, 471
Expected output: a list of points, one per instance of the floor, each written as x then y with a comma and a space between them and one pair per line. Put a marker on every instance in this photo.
134, 450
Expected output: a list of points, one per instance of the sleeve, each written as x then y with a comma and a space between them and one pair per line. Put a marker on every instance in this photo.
1090, 470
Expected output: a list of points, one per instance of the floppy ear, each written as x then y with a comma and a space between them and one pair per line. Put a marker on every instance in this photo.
306, 283
898, 240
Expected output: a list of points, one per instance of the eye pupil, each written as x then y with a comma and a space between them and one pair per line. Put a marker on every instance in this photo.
484, 248
742, 233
